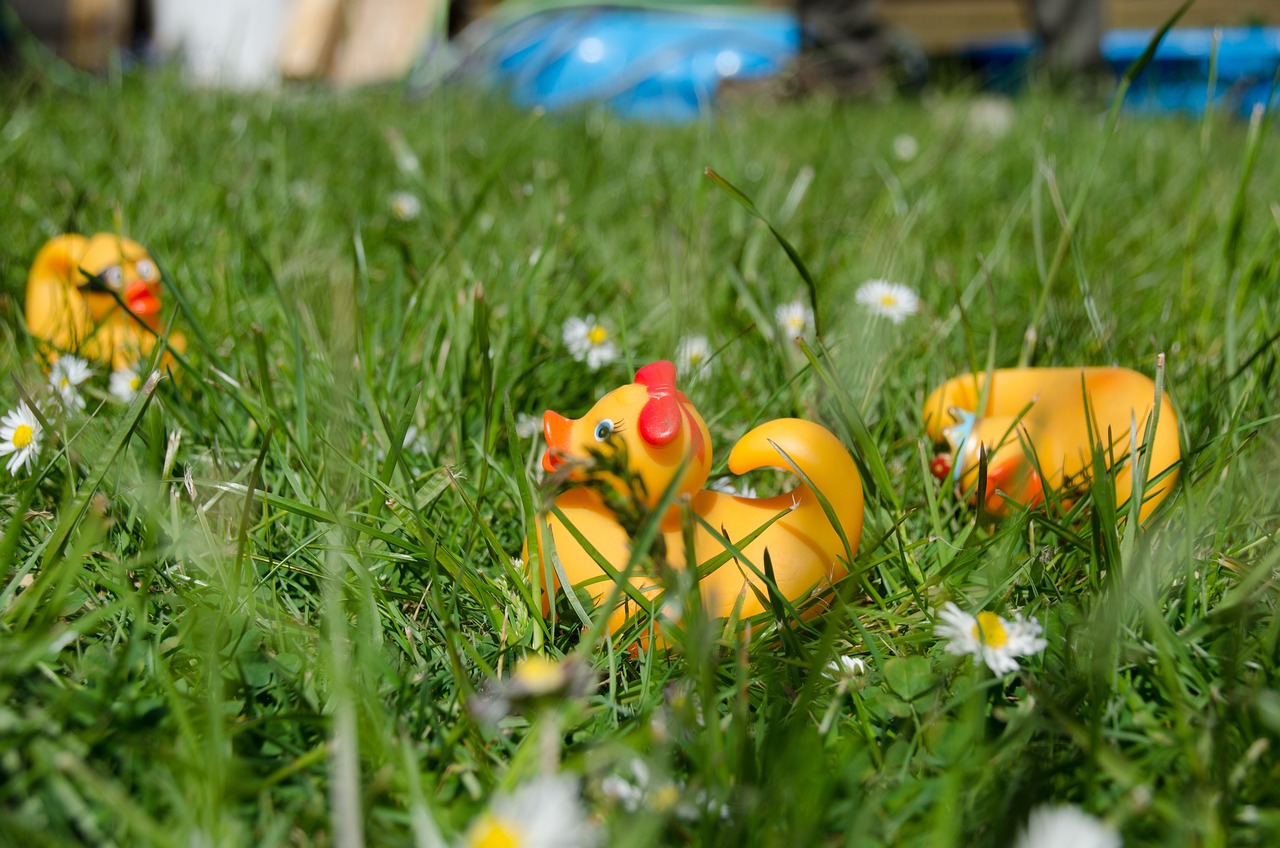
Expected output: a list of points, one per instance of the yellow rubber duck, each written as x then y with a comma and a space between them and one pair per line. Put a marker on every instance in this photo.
663, 433
1042, 411
72, 312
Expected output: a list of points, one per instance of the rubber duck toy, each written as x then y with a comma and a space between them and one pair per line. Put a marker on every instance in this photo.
74, 291
664, 436
1042, 412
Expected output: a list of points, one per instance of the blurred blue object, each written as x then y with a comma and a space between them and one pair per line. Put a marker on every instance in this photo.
1002, 63
1176, 79
652, 64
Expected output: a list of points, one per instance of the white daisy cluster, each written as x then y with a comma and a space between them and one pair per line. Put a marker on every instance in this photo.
588, 341
545, 812
888, 300
22, 430
987, 636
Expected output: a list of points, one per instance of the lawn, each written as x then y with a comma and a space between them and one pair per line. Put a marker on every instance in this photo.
269, 604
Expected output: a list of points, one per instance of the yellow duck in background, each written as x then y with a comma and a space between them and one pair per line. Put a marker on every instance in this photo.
1042, 412
71, 312
663, 433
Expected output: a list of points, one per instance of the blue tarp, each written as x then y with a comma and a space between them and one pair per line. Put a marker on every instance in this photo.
653, 64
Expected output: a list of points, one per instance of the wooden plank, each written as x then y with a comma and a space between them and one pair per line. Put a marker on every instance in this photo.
310, 38
1148, 14
383, 38
946, 24
941, 25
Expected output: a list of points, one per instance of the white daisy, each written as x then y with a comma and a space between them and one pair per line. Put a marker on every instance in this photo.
659, 796
65, 377
1066, 826
414, 441
888, 300
405, 206
691, 358
991, 115
795, 318
588, 341
545, 812
845, 667
905, 147
125, 383
20, 434
528, 426
630, 794
990, 637
535, 681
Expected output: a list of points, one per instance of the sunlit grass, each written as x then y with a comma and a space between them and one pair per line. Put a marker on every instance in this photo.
277, 633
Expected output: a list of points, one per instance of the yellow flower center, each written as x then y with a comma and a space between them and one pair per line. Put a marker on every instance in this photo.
795, 322
888, 300
65, 383
665, 798
540, 675
135, 383
597, 335
488, 832
990, 630
22, 436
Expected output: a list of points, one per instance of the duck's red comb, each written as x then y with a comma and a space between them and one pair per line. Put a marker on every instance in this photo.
660, 418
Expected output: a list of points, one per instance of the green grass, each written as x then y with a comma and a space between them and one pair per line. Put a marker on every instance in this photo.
267, 628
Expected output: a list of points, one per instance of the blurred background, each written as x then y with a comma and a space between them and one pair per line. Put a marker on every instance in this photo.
669, 61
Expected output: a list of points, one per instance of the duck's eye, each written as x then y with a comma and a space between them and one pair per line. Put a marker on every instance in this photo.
113, 276
604, 430
146, 270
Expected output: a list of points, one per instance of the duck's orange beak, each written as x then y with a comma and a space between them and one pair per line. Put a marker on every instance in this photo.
143, 300
556, 428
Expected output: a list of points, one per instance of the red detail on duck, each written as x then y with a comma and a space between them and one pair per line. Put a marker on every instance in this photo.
999, 476
659, 420
1035, 489
143, 300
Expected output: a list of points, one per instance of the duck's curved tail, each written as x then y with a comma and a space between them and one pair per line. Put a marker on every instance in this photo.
821, 458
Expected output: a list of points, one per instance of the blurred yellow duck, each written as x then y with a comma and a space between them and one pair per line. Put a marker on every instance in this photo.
1041, 412
74, 291
663, 434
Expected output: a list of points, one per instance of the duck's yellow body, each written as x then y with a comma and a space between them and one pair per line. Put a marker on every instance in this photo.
1042, 413
70, 311
663, 433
